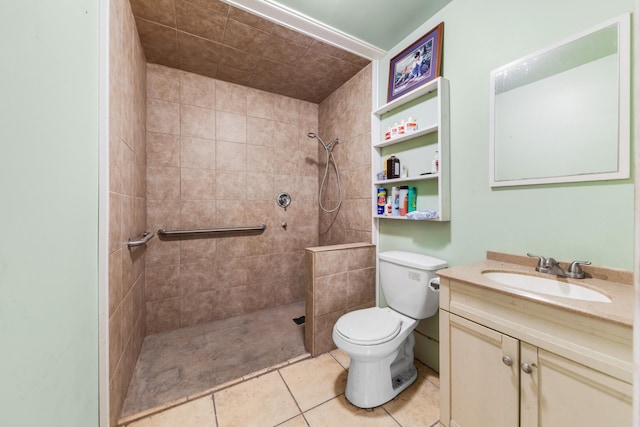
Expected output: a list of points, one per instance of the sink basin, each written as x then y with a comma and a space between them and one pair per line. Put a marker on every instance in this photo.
542, 285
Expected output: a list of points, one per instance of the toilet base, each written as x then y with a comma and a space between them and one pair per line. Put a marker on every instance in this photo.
372, 383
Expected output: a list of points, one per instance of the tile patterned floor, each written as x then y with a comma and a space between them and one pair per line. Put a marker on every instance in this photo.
200, 359
309, 393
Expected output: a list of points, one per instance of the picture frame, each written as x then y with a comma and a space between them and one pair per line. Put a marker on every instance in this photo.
417, 64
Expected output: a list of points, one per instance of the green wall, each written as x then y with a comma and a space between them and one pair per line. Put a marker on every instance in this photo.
592, 221
49, 213
584, 221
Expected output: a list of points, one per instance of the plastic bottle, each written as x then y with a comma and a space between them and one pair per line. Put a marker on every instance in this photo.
395, 200
435, 163
394, 130
411, 125
393, 167
412, 199
401, 128
387, 134
382, 200
403, 207
384, 167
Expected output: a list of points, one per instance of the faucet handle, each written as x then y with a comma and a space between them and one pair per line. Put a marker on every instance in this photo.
575, 270
542, 261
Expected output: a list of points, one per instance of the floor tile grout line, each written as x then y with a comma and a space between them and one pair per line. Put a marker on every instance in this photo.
290, 393
215, 410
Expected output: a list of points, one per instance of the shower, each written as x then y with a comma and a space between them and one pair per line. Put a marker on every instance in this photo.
328, 148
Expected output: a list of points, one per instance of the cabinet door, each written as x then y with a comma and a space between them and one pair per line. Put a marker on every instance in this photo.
483, 375
557, 392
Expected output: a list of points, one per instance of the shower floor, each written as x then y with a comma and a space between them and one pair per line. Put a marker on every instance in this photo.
184, 363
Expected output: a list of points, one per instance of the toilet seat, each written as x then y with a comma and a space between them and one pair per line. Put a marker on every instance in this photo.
369, 326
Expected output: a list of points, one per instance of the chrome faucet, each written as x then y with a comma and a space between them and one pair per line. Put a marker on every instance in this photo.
551, 266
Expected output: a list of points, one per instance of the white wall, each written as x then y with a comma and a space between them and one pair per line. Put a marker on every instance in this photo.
49, 213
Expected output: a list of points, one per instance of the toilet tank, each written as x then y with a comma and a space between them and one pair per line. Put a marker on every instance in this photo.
404, 279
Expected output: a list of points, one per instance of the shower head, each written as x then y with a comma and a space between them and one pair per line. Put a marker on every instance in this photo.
327, 147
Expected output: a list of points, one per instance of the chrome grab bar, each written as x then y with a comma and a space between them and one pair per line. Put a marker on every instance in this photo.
142, 240
174, 233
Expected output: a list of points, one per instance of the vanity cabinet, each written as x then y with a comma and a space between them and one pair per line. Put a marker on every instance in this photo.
508, 362
496, 380
429, 106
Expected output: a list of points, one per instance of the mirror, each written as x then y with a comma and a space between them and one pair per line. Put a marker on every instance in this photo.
563, 114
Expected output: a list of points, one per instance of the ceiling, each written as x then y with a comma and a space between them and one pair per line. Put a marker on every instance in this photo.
269, 46
381, 23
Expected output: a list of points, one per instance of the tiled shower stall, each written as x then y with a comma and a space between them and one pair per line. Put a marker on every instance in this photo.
188, 151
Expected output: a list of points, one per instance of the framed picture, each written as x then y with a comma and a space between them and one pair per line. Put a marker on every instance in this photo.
417, 64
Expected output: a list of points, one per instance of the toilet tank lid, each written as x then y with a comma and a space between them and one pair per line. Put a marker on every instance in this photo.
412, 259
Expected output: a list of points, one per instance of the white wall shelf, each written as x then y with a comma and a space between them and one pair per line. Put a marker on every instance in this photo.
406, 98
429, 106
406, 180
407, 137
402, 218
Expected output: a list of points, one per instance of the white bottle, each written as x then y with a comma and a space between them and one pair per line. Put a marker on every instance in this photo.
435, 163
394, 130
411, 125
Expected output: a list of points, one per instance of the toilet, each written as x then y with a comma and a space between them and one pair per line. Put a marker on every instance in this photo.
380, 341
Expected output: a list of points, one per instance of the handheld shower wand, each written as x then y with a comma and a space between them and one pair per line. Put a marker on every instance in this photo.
329, 150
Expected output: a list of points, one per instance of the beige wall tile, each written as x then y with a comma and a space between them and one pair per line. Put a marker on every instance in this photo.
260, 131
162, 253
197, 90
361, 287
232, 186
197, 184
163, 150
364, 257
260, 104
163, 83
231, 97
163, 183
330, 293
331, 262
163, 116
115, 280
231, 127
197, 153
231, 156
162, 282
261, 187
197, 249
197, 214
346, 114
197, 121
127, 124
163, 214
163, 315
262, 159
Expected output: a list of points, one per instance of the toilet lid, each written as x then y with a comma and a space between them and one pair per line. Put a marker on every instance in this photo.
369, 326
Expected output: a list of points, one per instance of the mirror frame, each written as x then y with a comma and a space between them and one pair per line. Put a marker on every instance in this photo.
624, 110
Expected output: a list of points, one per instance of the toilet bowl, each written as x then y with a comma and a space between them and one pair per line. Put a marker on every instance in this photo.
381, 358
380, 341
